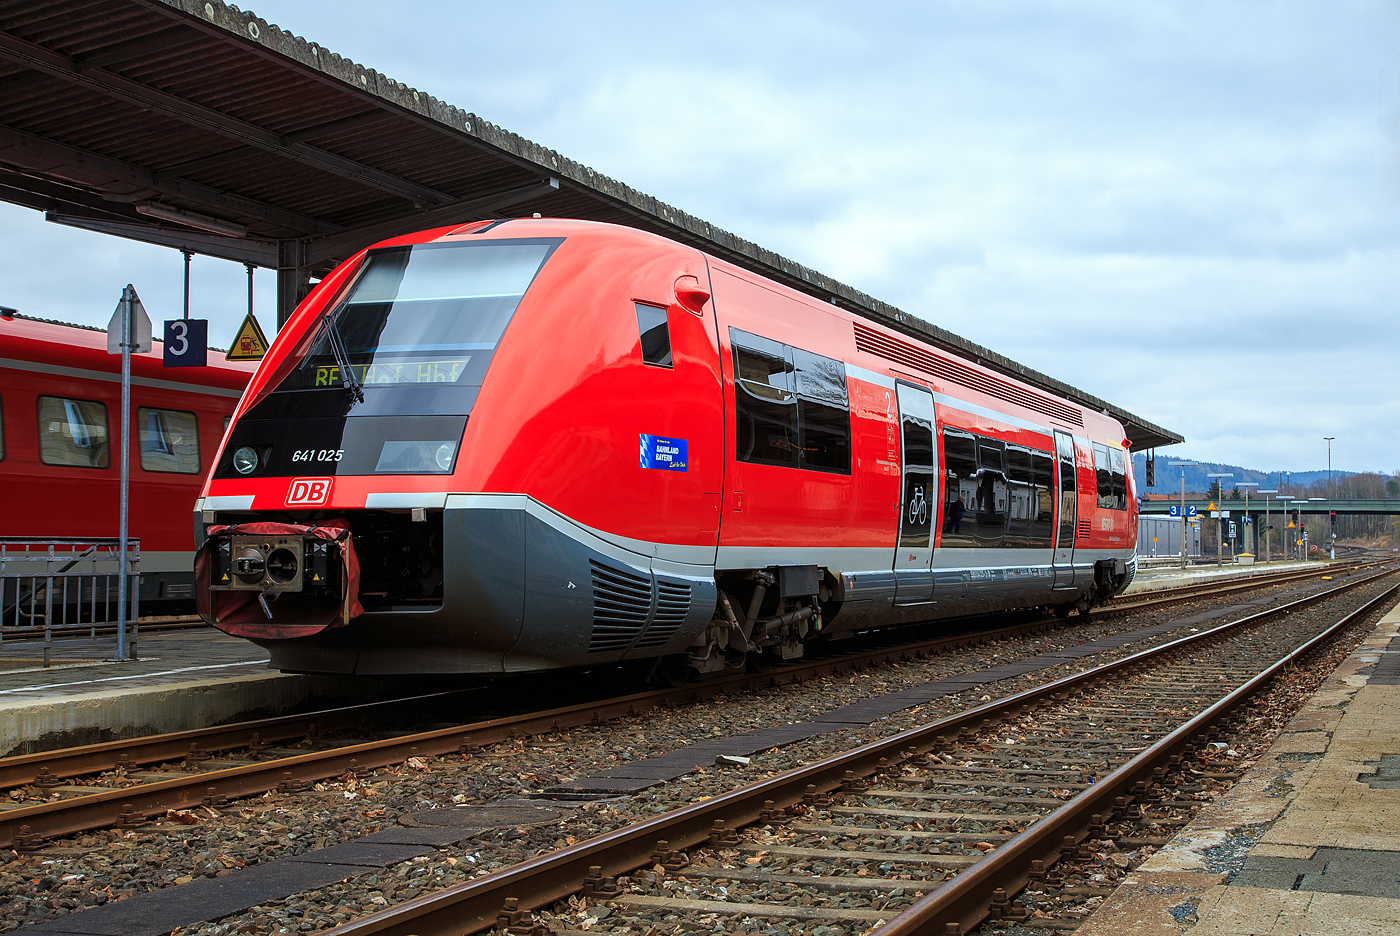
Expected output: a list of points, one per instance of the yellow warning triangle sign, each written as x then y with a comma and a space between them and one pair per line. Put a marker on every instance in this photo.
250, 344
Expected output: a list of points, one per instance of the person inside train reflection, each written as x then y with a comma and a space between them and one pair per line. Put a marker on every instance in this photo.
955, 516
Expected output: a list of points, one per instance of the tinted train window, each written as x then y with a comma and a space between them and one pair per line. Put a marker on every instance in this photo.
823, 412
791, 406
998, 494
73, 433
1118, 479
959, 486
656, 334
1103, 476
764, 402
1043, 509
169, 440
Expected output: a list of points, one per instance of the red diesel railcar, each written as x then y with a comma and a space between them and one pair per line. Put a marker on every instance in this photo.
521, 445
60, 409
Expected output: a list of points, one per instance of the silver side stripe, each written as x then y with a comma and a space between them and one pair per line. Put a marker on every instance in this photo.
84, 374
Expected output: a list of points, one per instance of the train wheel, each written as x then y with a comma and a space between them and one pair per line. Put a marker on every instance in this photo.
1062, 611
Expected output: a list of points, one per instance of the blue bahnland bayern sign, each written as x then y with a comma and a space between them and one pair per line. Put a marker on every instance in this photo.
666, 454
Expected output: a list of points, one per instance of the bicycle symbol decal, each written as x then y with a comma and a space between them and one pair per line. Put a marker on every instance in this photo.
918, 508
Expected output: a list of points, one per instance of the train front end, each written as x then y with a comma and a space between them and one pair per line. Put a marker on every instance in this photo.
379, 498
326, 502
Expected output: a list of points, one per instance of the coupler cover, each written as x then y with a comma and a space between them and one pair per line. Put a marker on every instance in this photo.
278, 580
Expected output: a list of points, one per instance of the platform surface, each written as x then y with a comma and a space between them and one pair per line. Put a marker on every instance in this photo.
1174, 576
1308, 842
183, 679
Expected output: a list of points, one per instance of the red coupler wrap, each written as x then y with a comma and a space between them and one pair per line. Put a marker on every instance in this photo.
293, 614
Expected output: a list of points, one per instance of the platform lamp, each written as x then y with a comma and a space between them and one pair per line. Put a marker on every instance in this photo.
1266, 494
1331, 537
1219, 559
1183, 465
1247, 485
1328, 502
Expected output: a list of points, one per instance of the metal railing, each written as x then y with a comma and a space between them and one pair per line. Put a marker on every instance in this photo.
65, 586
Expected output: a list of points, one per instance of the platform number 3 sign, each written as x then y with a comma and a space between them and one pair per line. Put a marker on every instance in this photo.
186, 343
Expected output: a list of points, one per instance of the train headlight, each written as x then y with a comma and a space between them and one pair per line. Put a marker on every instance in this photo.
245, 460
445, 451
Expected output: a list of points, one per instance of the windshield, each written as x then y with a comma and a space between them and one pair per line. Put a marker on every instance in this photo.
425, 314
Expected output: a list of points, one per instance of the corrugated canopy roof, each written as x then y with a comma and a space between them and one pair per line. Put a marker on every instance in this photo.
200, 126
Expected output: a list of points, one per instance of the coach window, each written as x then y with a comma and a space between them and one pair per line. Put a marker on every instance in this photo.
1118, 479
1020, 495
959, 487
1103, 475
764, 402
169, 440
73, 433
656, 334
1043, 507
823, 412
992, 494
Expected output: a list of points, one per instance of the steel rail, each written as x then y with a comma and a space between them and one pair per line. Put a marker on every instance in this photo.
87, 759
19, 769
40, 822
965, 898
538, 882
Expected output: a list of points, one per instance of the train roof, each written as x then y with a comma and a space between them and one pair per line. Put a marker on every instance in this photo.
213, 160
63, 344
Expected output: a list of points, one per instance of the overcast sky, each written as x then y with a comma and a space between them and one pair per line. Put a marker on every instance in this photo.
1190, 210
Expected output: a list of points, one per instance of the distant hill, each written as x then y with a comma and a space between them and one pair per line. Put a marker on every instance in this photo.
1169, 479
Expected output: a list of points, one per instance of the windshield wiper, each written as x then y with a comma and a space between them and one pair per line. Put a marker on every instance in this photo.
348, 380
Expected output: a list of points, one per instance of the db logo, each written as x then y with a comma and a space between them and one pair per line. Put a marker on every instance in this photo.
308, 492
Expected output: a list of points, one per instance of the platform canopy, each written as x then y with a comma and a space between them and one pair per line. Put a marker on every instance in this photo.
200, 126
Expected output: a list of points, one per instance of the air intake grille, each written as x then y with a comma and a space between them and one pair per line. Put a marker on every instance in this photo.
672, 606
872, 342
621, 604
1084, 528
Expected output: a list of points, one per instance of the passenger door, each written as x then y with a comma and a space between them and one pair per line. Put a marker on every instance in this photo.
1066, 512
913, 557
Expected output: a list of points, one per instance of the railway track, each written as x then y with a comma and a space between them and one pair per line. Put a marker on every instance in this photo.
935, 829
222, 763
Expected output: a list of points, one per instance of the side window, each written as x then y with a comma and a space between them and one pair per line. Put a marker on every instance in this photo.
1103, 474
73, 433
791, 406
990, 505
1119, 479
823, 413
169, 440
1043, 496
656, 334
959, 486
1020, 495
764, 402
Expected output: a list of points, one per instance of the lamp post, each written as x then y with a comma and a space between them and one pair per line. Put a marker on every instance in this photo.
1285, 499
1266, 494
1183, 465
1219, 559
1247, 485
1331, 537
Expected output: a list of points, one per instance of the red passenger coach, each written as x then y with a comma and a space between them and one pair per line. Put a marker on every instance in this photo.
533, 444
60, 409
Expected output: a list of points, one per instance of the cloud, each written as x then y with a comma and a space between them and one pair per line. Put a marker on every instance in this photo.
1192, 211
